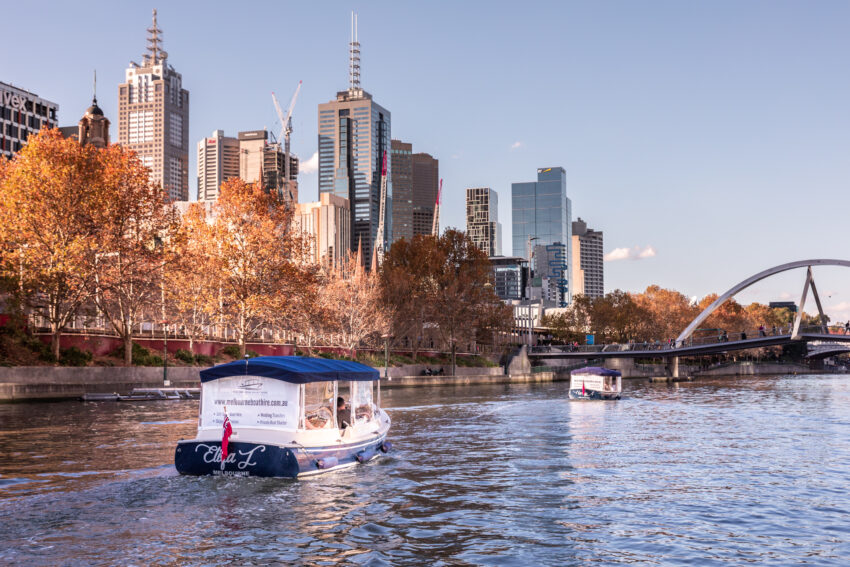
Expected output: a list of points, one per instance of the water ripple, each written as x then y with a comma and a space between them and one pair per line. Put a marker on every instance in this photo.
722, 472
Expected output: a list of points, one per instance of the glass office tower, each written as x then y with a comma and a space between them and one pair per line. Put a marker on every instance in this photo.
542, 215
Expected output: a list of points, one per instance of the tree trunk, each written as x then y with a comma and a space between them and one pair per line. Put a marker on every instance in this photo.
55, 335
128, 350
454, 350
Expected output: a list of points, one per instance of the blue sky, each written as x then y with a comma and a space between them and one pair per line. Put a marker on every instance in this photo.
715, 133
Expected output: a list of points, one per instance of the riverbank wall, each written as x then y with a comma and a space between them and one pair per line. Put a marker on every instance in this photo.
27, 383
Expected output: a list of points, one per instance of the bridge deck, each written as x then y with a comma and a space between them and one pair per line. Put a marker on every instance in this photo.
636, 350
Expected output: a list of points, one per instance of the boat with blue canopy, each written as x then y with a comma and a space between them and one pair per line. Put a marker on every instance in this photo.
285, 416
595, 383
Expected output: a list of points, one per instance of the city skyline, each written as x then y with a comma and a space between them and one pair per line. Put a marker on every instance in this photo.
693, 136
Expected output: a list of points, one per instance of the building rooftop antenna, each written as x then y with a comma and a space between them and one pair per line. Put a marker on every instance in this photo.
94, 89
157, 54
354, 57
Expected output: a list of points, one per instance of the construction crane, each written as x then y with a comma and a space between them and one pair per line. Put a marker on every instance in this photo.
378, 253
285, 131
435, 228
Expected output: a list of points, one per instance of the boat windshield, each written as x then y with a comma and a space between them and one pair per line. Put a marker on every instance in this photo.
610, 383
319, 400
361, 401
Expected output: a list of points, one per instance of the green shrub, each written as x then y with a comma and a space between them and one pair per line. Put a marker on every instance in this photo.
184, 355
203, 360
141, 356
73, 356
231, 351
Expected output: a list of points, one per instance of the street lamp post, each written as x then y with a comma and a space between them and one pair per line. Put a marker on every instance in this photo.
386, 355
165, 381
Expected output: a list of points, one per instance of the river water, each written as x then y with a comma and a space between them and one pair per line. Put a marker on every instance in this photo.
716, 472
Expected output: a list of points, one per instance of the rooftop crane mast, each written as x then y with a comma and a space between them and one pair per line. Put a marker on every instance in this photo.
378, 253
435, 228
285, 131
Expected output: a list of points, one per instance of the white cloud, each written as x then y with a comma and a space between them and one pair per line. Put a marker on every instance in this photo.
516, 145
634, 253
311, 165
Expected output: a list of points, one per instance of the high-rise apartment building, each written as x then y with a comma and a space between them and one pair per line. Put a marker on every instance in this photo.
153, 117
402, 157
22, 114
587, 256
541, 215
354, 135
218, 160
415, 184
426, 180
326, 225
482, 220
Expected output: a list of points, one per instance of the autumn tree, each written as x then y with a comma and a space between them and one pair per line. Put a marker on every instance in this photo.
190, 285
729, 317
352, 297
668, 312
256, 256
137, 231
448, 280
49, 225
405, 277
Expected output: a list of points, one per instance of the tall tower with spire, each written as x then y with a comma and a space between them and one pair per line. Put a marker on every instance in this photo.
354, 133
153, 117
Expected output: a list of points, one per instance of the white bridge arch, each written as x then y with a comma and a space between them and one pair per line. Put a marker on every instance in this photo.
760, 276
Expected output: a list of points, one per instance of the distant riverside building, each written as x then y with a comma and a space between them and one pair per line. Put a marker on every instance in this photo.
482, 220
415, 181
22, 114
354, 134
153, 117
426, 184
550, 274
326, 224
587, 248
542, 215
510, 277
218, 160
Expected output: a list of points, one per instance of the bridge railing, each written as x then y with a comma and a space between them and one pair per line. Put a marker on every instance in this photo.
719, 336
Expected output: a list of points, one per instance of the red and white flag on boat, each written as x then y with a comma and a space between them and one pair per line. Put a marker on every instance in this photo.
226, 431
582, 389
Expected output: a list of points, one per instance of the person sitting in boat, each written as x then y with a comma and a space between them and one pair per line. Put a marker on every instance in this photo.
343, 413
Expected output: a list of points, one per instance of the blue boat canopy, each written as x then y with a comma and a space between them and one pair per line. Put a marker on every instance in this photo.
596, 371
295, 369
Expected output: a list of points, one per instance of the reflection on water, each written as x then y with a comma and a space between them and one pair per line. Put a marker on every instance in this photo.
711, 472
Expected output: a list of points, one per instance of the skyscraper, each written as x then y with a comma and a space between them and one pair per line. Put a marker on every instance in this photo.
354, 134
218, 160
587, 256
426, 179
542, 215
415, 184
482, 220
153, 117
402, 155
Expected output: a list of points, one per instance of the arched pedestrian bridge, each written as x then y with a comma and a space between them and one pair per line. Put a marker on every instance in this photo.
823, 342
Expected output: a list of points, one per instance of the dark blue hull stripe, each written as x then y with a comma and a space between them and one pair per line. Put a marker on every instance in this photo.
576, 394
265, 459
